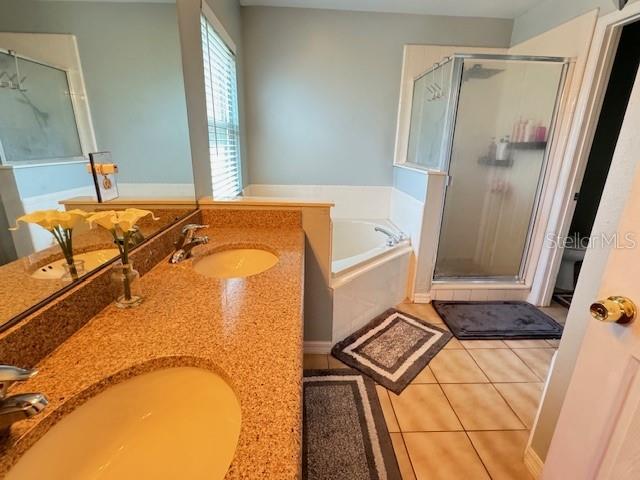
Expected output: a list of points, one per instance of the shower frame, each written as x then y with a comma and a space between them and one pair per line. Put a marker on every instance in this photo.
458, 60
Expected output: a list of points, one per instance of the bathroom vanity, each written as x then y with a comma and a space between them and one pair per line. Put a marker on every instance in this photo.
246, 330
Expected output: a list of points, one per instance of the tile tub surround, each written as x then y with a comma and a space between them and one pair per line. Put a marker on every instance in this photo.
37, 335
247, 330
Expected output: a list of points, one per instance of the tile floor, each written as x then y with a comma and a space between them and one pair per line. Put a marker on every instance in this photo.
467, 415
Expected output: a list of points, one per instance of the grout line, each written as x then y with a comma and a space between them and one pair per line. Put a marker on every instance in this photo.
527, 365
511, 349
526, 428
471, 430
494, 387
478, 365
404, 444
476, 383
393, 410
465, 431
511, 408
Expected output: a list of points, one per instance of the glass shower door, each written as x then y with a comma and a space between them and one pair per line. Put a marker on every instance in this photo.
429, 109
37, 120
504, 114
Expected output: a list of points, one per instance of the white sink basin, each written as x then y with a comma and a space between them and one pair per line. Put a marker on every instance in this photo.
55, 270
235, 263
174, 423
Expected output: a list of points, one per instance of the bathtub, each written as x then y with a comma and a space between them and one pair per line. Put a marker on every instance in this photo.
356, 241
367, 275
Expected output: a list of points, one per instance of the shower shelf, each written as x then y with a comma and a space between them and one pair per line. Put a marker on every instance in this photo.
494, 162
528, 145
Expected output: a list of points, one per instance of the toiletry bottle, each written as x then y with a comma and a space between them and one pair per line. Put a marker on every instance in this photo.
530, 132
523, 131
501, 151
493, 149
541, 133
516, 128
507, 148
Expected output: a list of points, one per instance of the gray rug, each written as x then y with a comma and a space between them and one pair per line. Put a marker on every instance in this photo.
497, 320
392, 349
344, 433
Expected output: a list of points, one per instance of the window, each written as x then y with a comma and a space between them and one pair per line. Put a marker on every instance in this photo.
222, 109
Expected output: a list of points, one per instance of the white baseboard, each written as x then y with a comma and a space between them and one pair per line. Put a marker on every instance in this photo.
320, 348
422, 298
533, 463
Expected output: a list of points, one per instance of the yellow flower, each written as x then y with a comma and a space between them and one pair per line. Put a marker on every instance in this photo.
125, 220
49, 219
106, 219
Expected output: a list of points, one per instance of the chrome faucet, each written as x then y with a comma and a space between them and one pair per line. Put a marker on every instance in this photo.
21, 406
187, 241
136, 236
394, 238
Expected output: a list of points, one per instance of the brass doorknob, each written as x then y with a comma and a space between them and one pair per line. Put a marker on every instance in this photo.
614, 309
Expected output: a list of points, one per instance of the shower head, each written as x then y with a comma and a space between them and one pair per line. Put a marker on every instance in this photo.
480, 72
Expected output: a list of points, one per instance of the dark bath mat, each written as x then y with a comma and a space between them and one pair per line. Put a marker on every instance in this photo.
344, 433
497, 320
392, 349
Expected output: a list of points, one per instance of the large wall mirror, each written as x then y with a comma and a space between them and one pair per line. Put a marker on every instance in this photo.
78, 78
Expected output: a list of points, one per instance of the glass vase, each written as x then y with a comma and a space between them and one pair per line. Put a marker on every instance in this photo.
125, 278
73, 271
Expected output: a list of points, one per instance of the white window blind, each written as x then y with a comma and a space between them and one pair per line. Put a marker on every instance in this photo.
222, 112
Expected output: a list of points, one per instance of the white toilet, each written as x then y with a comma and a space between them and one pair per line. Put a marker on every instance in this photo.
570, 257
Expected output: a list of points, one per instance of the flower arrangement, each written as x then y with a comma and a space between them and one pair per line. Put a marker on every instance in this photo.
60, 224
122, 225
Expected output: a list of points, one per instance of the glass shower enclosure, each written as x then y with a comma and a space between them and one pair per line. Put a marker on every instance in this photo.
486, 121
37, 120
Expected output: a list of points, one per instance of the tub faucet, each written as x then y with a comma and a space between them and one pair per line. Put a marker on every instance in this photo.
187, 241
21, 406
393, 239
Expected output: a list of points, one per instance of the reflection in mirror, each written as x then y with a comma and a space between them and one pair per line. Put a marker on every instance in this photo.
428, 117
78, 78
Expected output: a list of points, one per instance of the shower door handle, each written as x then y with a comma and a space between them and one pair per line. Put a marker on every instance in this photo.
448, 181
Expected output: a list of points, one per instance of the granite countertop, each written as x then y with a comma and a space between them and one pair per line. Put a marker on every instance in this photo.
21, 291
247, 330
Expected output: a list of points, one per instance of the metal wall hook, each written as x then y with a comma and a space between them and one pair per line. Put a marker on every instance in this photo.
14, 81
431, 91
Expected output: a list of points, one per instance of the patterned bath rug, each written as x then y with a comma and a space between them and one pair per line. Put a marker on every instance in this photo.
392, 349
344, 434
500, 320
